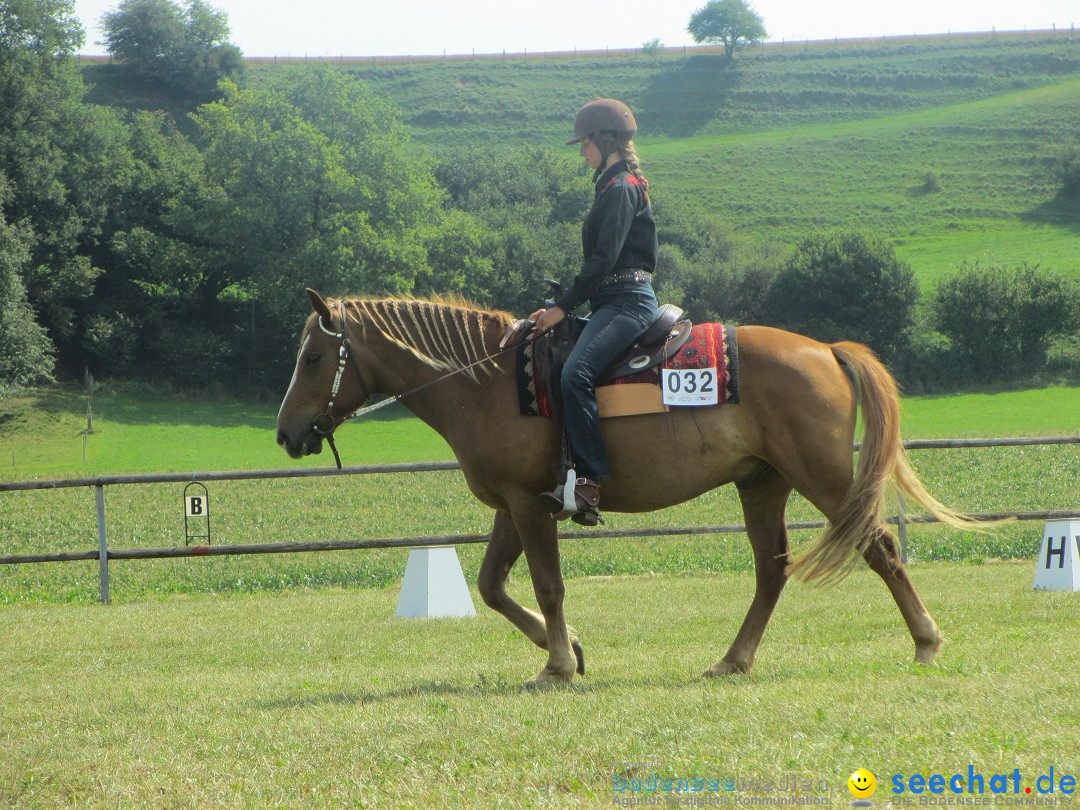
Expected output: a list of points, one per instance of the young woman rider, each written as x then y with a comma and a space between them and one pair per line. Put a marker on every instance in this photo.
619, 244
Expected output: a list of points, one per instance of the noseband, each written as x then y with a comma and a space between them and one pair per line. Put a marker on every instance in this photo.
325, 423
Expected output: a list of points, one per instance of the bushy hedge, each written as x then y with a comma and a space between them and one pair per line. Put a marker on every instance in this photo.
999, 323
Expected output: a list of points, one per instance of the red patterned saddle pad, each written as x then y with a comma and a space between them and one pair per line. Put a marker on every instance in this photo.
711, 345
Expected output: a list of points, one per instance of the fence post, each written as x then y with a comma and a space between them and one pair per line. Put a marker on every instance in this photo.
901, 528
103, 544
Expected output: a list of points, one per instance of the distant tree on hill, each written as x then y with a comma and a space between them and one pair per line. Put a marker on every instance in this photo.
846, 285
652, 47
1066, 167
180, 46
732, 22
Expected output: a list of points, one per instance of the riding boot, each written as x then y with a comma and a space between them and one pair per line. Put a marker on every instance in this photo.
587, 496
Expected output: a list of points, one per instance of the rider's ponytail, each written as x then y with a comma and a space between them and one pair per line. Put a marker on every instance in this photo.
632, 161
611, 142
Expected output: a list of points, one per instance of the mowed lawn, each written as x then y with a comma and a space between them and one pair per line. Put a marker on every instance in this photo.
323, 698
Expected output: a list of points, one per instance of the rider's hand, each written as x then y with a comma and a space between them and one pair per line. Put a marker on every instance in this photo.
547, 318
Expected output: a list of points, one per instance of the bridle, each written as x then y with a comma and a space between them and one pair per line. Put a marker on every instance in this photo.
325, 423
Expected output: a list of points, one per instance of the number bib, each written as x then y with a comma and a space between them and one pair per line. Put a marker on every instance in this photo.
690, 386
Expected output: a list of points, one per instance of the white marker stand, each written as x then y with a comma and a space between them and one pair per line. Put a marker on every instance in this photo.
434, 586
1058, 565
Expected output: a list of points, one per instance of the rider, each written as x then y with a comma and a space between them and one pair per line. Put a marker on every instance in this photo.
619, 242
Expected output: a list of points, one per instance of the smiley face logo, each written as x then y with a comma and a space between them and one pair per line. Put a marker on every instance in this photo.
862, 784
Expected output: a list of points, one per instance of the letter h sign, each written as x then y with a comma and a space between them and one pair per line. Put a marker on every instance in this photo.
1058, 565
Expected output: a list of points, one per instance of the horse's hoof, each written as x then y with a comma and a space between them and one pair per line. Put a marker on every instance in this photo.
722, 669
579, 654
926, 653
547, 679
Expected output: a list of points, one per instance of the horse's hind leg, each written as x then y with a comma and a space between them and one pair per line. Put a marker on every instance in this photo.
882, 557
503, 550
763, 505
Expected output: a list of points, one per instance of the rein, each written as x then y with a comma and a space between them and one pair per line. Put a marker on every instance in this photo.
325, 424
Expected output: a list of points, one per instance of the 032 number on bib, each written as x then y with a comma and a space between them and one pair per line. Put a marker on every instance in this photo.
688, 386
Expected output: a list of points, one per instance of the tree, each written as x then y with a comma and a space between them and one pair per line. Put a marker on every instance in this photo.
184, 47
732, 22
1000, 323
317, 185
846, 285
526, 215
64, 159
1065, 166
25, 349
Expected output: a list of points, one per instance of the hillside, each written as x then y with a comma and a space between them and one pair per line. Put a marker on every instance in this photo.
679, 96
942, 145
791, 139
957, 181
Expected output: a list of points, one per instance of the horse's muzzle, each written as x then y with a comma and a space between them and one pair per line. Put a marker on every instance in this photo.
308, 445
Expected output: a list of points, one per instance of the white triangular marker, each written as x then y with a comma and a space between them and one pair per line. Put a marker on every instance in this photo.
434, 586
1057, 567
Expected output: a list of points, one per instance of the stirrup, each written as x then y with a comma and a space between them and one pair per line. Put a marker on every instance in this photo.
587, 498
584, 511
554, 502
562, 501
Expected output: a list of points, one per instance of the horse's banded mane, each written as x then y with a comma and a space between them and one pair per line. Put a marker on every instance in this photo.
447, 335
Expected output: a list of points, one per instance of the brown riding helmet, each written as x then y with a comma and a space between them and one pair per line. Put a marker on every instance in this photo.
603, 115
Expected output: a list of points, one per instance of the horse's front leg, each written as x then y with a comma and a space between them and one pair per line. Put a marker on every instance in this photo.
503, 550
539, 539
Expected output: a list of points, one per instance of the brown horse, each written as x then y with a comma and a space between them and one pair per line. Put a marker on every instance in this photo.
794, 429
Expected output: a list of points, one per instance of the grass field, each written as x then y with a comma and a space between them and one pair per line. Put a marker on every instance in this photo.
141, 433
321, 698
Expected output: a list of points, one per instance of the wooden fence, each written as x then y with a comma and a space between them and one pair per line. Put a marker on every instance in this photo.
104, 554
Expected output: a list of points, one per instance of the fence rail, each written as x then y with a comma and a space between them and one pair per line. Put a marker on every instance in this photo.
104, 554
466, 539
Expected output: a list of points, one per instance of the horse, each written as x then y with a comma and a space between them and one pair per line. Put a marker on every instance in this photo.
793, 429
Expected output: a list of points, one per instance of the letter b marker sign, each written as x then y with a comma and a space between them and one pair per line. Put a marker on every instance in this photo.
196, 513
1058, 565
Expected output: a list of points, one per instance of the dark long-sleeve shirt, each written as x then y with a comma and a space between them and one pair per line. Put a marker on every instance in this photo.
619, 233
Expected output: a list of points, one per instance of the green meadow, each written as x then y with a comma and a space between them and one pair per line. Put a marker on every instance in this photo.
140, 432
322, 698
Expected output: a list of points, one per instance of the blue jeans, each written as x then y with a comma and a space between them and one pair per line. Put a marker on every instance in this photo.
620, 313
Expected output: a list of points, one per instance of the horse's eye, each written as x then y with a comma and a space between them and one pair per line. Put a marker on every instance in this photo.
314, 358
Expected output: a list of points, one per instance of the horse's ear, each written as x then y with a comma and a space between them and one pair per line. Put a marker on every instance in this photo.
319, 305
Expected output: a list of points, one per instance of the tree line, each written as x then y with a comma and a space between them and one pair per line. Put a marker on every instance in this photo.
138, 249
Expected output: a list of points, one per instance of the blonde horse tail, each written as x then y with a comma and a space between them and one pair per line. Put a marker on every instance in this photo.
882, 462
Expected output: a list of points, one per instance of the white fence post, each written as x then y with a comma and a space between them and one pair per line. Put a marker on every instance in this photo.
103, 544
